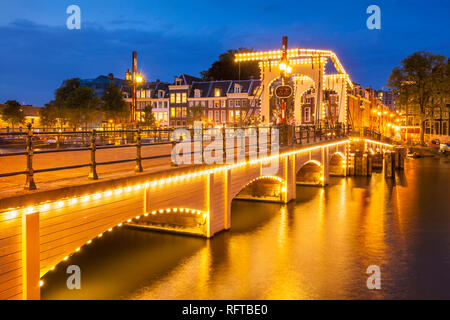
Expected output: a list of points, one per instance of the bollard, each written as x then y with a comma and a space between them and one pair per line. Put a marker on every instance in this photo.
93, 172
389, 165
29, 183
138, 167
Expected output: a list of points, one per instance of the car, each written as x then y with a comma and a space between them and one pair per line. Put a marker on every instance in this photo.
444, 147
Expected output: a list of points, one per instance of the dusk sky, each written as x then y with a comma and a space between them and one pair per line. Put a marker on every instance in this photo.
172, 37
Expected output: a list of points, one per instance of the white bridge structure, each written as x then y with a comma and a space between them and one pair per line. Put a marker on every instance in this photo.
307, 71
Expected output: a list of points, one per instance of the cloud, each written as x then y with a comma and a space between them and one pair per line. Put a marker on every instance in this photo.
36, 58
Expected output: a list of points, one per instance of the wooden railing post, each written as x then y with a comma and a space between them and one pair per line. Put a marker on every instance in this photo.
138, 167
29, 183
224, 141
93, 171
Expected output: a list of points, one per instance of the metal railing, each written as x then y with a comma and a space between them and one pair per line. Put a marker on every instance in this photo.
95, 140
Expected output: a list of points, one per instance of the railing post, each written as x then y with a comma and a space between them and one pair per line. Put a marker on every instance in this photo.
93, 172
173, 161
138, 167
301, 134
314, 133
224, 141
58, 139
257, 141
29, 183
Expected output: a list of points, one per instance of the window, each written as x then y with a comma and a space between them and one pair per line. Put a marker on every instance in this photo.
216, 104
223, 116
178, 112
244, 103
231, 103
165, 116
237, 115
172, 98
203, 103
159, 104
161, 94
210, 115
184, 112
172, 112
148, 93
197, 93
166, 104
231, 116
307, 114
238, 103
183, 97
217, 92
217, 116
178, 100
308, 100
224, 103
210, 103
237, 88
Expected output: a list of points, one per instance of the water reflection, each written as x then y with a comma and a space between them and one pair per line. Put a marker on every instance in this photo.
316, 248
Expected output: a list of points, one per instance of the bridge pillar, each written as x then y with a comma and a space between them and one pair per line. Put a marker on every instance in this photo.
289, 175
31, 289
325, 166
217, 198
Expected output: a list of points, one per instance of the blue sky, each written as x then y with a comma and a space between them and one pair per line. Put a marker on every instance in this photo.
174, 37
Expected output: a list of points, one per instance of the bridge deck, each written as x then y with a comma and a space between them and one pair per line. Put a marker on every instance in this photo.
74, 181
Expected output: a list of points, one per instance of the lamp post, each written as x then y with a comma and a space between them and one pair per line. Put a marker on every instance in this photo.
285, 71
135, 78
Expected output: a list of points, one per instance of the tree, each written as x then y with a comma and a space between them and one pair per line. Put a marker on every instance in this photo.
114, 105
149, 117
49, 114
225, 68
82, 106
195, 114
421, 84
13, 113
63, 92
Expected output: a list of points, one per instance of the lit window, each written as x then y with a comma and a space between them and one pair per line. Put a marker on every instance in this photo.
216, 104
178, 112
237, 88
237, 115
231, 103
231, 116
172, 98
184, 112
197, 93
172, 112
210, 115
178, 100
183, 97
307, 115
217, 92
217, 114
223, 116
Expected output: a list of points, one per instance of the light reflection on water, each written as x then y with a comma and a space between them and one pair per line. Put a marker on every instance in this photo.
315, 248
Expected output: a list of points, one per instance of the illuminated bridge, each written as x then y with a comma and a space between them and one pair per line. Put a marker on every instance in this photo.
40, 228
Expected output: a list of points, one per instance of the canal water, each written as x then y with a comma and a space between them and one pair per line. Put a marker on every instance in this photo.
317, 247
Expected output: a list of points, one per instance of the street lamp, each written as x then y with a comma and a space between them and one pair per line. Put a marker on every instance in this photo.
135, 78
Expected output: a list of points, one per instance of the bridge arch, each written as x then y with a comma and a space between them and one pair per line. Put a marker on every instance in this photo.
310, 173
337, 164
262, 188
